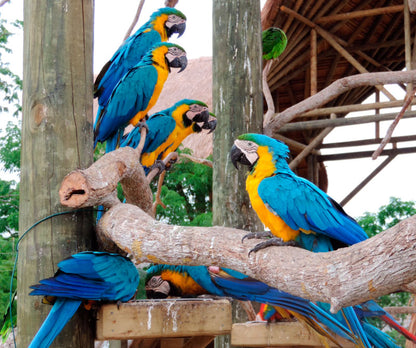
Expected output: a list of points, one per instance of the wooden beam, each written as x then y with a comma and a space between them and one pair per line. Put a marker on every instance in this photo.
281, 334
314, 63
407, 43
331, 40
311, 146
364, 142
354, 107
364, 154
360, 14
164, 318
345, 121
371, 176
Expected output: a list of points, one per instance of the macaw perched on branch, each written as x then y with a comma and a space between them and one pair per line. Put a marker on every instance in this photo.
299, 213
168, 128
190, 281
136, 93
89, 275
161, 25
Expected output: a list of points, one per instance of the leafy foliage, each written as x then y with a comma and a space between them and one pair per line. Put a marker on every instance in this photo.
10, 83
187, 193
374, 223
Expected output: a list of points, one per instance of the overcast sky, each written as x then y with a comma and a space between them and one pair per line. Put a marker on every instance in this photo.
112, 20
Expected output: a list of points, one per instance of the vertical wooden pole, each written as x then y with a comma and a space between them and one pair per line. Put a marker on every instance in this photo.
238, 104
56, 138
314, 74
407, 43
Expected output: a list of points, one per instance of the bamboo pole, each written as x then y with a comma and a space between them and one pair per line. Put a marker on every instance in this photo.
360, 14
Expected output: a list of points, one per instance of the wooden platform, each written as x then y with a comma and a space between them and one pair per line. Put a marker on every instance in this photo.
194, 323
282, 334
164, 318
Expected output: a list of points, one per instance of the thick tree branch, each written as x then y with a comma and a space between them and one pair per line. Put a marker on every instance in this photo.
335, 89
378, 266
97, 184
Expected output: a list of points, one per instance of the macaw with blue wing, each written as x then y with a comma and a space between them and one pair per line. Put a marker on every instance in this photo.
297, 211
136, 93
190, 281
161, 25
168, 128
89, 275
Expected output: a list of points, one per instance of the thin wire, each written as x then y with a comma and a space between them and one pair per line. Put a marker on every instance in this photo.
17, 254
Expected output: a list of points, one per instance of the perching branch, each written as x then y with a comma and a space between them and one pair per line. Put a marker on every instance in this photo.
375, 267
135, 20
378, 266
335, 89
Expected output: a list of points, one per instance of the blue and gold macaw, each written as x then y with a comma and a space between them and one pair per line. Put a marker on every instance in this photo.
136, 93
168, 128
86, 276
190, 281
161, 25
297, 211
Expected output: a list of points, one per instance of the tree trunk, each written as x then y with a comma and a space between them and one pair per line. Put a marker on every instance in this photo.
56, 138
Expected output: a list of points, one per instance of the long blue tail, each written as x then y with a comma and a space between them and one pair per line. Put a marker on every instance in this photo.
61, 312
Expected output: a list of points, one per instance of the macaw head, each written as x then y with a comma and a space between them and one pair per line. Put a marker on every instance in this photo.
157, 288
248, 148
175, 55
197, 111
169, 19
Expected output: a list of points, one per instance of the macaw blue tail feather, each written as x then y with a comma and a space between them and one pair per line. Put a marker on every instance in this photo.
61, 312
378, 338
355, 326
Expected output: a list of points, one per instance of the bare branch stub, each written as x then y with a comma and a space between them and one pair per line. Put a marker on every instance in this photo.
96, 185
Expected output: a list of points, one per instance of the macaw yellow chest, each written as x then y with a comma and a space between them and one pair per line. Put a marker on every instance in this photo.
162, 75
270, 219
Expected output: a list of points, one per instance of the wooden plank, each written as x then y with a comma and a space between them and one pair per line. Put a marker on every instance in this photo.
164, 318
198, 341
290, 334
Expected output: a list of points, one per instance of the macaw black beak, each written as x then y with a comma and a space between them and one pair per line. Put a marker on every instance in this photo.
202, 117
180, 62
156, 287
238, 156
177, 28
211, 125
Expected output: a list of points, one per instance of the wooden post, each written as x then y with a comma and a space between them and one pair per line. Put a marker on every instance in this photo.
56, 138
237, 97
314, 73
